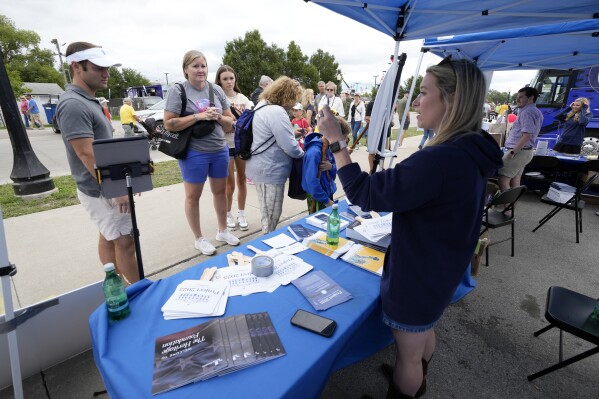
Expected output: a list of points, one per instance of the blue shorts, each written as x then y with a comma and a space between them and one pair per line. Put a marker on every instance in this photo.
198, 166
406, 327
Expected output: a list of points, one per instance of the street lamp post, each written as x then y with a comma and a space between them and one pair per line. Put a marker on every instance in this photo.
64, 74
31, 178
375, 76
166, 75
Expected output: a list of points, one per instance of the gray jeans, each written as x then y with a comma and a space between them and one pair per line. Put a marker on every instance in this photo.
128, 130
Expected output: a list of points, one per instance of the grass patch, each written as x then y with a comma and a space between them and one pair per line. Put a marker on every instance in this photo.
166, 173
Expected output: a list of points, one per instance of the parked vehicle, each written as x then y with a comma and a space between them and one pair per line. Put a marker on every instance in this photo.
156, 112
558, 89
145, 91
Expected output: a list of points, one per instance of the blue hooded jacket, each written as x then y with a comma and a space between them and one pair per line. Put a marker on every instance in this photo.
437, 199
321, 189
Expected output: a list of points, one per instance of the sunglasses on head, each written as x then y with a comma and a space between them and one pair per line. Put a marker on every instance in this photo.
448, 61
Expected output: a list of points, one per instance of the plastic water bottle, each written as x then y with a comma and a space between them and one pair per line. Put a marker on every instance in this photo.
117, 302
333, 224
595, 315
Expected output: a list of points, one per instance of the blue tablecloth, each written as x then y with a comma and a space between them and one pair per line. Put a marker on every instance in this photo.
124, 352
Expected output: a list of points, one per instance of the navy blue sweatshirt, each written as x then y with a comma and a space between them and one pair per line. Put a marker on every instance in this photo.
437, 199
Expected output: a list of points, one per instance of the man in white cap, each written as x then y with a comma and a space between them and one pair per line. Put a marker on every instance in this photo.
82, 120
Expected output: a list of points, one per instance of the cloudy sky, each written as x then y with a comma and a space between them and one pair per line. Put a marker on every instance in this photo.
151, 36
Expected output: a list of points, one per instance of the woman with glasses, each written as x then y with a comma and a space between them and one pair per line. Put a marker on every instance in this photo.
332, 101
436, 212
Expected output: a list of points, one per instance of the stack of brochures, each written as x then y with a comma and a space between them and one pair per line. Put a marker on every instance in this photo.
560, 192
214, 348
197, 298
366, 258
299, 232
318, 242
320, 220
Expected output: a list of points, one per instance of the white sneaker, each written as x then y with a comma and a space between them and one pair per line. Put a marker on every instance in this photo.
243, 223
227, 236
231, 222
249, 181
204, 246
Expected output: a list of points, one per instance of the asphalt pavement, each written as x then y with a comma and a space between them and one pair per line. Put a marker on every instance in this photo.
485, 343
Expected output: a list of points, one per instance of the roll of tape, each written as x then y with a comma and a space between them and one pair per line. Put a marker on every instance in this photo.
262, 266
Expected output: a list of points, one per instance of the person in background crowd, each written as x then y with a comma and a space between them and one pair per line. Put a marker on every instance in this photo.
347, 100
227, 79
402, 104
355, 116
25, 111
104, 104
428, 134
82, 121
300, 124
270, 168
575, 118
503, 111
331, 99
319, 169
321, 93
418, 284
207, 156
265, 81
34, 112
521, 141
128, 117
308, 104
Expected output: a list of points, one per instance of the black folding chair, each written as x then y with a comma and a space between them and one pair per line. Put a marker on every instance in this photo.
576, 204
493, 219
569, 311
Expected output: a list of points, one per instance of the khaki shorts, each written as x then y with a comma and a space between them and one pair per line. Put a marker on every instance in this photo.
110, 222
515, 166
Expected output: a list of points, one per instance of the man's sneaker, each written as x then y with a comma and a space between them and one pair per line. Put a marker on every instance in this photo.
249, 181
231, 222
227, 236
204, 246
243, 223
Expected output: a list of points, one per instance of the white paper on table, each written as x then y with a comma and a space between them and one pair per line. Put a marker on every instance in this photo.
280, 241
289, 267
195, 296
243, 282
378, 226
292, 249
219, 311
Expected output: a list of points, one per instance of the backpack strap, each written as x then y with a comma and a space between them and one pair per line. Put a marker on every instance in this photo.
183, 99
267, 140
211, 94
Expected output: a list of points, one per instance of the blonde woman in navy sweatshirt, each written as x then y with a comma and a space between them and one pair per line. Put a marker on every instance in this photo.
437, 198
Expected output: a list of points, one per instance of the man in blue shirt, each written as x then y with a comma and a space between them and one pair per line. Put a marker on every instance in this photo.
34, 112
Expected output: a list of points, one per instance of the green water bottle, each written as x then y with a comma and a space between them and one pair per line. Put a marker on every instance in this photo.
595, 315
117, 302
333, 225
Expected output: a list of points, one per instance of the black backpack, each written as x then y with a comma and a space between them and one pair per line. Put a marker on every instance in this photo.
244, 135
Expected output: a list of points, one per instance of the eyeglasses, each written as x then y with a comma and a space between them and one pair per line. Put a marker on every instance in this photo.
330, 89
448, 61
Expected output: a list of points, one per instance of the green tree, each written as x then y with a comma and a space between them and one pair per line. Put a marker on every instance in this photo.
295, 62
119, 81
325, 65
407, 84
23, 59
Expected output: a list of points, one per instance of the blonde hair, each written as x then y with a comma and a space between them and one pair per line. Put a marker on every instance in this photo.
463, 88
331, 85
576, 115
189, 57
307, 98
284, 91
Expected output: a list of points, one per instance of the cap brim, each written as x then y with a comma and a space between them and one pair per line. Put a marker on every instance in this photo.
104, 62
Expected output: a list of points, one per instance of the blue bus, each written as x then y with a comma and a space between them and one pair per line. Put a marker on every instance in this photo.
558, 89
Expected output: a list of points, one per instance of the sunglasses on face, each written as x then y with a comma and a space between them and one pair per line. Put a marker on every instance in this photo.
330, 89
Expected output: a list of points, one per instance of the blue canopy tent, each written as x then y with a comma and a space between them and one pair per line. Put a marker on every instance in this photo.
556, 46
419, 19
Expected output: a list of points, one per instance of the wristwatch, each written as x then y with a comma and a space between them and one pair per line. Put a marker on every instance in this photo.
337, 146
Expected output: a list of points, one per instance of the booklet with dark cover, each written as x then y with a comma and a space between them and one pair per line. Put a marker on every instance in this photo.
214, 348
299, 232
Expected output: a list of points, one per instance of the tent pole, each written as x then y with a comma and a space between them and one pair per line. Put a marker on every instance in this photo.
393, 103
405, 114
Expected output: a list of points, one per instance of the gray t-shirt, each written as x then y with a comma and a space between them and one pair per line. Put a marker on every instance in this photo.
214, 141
80, 115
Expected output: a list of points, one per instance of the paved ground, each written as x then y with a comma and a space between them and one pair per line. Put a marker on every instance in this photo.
485, 344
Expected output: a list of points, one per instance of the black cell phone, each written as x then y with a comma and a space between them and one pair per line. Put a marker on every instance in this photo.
315, 323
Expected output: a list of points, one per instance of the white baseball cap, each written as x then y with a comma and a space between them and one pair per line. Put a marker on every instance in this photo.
95, 55
298, 106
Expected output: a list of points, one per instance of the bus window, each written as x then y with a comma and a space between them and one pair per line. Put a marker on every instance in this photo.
553, 90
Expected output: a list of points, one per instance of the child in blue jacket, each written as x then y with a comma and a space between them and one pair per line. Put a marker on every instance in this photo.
319, 170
